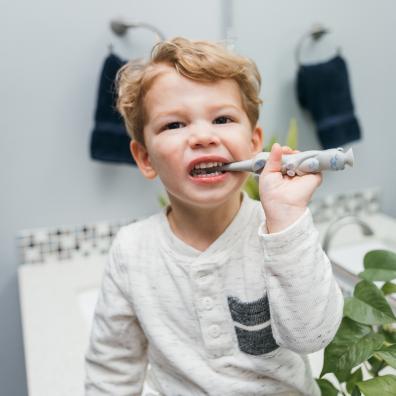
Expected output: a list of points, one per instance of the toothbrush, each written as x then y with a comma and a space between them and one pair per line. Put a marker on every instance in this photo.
312, 161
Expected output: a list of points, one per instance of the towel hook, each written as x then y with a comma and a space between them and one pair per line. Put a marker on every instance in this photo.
120, 28
316, 33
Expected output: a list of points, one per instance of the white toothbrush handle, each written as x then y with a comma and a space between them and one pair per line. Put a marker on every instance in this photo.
312, 161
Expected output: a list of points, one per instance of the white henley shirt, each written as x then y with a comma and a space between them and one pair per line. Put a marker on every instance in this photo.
237, 319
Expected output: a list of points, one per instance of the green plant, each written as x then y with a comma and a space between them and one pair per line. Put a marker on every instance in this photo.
251, 185
366, 338
163, 200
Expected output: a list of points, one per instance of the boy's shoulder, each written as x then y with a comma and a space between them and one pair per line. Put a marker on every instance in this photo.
138, 231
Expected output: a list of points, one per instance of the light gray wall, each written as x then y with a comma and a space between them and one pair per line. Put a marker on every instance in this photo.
51, 57
268, 31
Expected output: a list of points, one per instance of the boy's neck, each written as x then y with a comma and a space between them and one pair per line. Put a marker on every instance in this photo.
200, 227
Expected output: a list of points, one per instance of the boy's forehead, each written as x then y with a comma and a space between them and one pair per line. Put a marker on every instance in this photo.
171, 88
169, 76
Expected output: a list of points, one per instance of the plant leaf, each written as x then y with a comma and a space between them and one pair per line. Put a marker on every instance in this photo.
273, 140
388, 288
252, 188
368, 305
343, 375
377, 275
380, 265
163, 201
356, 376
389, 334
356, 391
388, 354
352, 345
292, 135
326, 387
384, 385
376, 364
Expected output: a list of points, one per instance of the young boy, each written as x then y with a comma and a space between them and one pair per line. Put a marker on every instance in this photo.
220, 294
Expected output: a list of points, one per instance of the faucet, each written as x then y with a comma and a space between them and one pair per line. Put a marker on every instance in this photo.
340, 222
346, 279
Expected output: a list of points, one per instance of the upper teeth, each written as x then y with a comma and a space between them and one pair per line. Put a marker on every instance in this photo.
207, 165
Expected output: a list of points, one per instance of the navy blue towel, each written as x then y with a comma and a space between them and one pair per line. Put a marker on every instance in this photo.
109, 138
323, 89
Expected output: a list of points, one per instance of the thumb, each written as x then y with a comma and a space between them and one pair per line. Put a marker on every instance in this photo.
274, 162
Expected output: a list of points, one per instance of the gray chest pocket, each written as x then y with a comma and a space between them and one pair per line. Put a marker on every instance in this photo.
252, 325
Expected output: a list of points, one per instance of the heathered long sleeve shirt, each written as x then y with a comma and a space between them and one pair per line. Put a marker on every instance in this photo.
236, 319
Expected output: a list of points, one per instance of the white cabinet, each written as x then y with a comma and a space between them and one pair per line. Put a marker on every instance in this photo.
57, 300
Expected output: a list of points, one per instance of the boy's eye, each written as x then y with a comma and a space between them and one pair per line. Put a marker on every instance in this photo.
222, 120
173, 125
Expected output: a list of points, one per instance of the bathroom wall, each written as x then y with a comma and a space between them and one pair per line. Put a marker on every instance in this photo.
268, 31
51, 57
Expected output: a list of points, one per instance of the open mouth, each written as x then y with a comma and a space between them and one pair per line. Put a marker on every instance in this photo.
208, 169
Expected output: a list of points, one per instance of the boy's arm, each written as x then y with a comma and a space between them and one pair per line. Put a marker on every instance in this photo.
116, 359
306, 303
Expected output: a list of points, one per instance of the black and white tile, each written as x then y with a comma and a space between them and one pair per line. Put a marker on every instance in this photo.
38, 246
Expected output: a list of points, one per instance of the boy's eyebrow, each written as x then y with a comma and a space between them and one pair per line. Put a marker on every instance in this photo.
180, 110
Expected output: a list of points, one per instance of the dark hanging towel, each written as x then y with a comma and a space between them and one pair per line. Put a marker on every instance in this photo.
109, 138
323, 89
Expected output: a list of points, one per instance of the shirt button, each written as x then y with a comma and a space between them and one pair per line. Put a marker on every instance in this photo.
214, 331
207, 303
202, 276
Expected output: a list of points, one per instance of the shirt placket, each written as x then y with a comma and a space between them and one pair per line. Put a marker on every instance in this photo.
212, 316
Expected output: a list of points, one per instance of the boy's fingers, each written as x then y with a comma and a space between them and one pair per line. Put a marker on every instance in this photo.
274, 162
288, 150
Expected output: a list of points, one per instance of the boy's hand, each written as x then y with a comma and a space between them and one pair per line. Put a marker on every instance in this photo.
284, 198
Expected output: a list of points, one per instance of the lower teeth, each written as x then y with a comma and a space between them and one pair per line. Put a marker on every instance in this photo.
208, 174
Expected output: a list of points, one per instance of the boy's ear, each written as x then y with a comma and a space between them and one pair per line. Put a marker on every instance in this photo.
142, 159
257, 139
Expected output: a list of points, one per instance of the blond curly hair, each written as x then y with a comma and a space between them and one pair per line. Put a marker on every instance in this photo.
197, 60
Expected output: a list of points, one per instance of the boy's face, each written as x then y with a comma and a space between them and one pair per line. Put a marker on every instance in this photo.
188, 123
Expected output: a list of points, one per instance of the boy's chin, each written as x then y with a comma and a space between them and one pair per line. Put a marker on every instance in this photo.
205, 199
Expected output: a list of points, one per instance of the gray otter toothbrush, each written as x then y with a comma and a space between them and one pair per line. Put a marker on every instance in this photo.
312, 161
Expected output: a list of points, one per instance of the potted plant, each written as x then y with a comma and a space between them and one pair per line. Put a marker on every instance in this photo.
365, 343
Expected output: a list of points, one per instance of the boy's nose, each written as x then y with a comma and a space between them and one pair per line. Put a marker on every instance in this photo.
203, 138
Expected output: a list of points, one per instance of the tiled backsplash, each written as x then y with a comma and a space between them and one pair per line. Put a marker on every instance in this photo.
64, 243
67, 242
